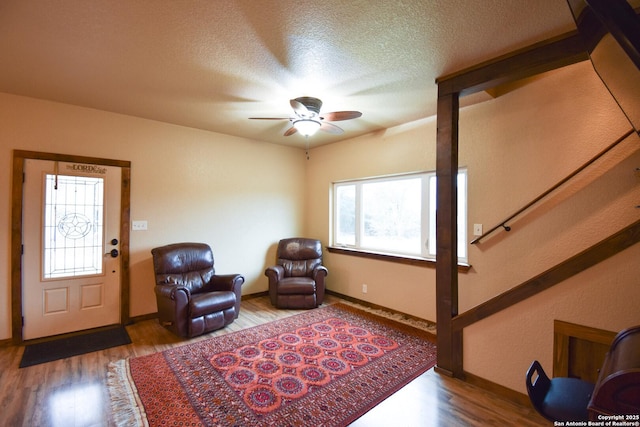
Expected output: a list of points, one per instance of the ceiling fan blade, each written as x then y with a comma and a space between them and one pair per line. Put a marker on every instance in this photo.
328, 127
290, 131
341, 115
268, 118
299, 108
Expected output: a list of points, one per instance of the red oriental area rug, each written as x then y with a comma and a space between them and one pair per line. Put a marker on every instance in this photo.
324, 367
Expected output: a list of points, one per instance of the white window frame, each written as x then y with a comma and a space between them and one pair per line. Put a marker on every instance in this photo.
428, 219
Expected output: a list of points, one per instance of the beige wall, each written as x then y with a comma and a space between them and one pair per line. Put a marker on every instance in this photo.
515, 147
238, 195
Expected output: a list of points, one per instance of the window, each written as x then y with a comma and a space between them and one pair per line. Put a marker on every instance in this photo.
73, 226
394, 214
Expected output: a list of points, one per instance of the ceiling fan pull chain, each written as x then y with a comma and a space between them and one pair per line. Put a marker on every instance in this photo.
306, 149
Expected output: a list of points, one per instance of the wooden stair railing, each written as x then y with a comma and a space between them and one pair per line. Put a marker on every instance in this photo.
503, 224
602, 250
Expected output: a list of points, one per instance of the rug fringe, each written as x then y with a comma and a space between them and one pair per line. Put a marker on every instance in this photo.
126, 407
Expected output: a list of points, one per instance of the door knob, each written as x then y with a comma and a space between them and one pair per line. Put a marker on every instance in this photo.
113, 253
114, 242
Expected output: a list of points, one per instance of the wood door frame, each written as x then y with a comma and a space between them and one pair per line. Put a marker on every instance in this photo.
19, 157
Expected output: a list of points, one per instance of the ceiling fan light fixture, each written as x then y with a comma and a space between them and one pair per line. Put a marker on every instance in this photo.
306, 127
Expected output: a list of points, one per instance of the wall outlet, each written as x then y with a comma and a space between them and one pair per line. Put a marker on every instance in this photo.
364, 288
477, 229
138, 225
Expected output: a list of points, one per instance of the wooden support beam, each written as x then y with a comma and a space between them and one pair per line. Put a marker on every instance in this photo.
535, 59
449, 341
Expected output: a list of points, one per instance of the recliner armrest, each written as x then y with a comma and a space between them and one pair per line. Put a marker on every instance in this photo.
169, 291
225, 282
275, 272
228, 282
320, 270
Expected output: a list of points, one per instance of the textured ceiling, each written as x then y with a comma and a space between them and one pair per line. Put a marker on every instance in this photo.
212, 64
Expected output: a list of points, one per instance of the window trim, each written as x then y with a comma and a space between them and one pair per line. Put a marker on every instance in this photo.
395, 258
398, 256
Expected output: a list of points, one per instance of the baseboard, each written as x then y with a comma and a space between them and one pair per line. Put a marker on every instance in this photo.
445, 372
255, 295
148, 316
376, 306
499, 390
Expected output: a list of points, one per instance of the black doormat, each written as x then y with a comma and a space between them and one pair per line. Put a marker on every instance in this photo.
61, 348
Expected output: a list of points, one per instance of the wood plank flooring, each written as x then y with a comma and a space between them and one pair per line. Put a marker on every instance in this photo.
72, 392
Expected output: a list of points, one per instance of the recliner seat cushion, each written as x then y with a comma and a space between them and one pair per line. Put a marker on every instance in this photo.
297, 285
211, 302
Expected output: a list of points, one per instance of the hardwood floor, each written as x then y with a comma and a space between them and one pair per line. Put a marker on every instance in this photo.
73, 392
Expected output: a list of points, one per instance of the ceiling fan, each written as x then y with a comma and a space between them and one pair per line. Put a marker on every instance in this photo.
307, 119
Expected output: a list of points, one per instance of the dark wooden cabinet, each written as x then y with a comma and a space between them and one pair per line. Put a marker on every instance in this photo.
617, 391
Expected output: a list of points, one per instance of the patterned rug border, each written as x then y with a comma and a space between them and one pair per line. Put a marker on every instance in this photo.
399, 317
128, 409
388, 319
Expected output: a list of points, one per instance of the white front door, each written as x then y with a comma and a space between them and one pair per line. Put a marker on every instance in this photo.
71, 267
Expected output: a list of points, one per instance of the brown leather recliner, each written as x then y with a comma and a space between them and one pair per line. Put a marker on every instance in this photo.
298, 278
192, 298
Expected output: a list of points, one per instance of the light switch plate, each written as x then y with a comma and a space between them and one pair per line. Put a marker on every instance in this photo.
138, 225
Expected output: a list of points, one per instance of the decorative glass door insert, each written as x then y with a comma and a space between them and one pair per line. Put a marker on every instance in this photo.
73, 226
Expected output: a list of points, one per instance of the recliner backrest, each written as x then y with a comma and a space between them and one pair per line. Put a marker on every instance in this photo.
299, 256
187, 264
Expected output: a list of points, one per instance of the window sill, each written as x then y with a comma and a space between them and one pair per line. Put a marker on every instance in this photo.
400, 259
